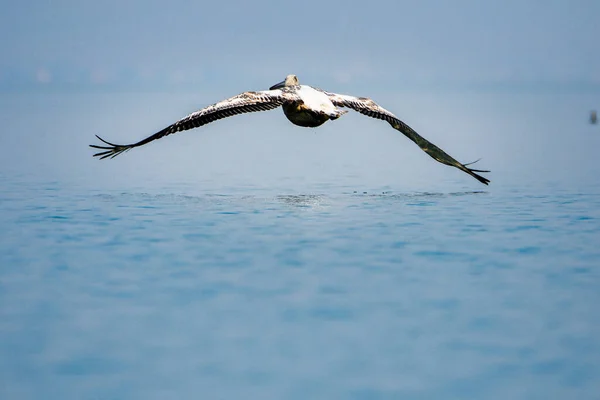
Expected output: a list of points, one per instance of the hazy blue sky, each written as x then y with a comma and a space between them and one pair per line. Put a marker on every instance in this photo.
156, 44
510, 81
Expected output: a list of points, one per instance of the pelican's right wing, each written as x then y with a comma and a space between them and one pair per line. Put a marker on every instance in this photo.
368, 107
242, 103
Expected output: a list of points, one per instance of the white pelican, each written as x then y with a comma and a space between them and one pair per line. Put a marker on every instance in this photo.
304, 106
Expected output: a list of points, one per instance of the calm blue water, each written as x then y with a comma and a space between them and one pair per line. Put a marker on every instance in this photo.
136, 279
331, 294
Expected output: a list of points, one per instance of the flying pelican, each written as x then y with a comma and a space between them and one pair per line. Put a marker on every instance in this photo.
302, 105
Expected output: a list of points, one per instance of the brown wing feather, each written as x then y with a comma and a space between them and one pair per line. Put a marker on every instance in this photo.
242, 103
370, 108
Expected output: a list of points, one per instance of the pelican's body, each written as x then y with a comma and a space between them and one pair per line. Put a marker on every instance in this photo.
313, 108
303, 106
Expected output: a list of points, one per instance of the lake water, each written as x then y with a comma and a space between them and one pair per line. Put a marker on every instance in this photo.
141, 279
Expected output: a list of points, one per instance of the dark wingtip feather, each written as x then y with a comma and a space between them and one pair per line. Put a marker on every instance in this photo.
108, 143
480, 178
112, 150
471, 172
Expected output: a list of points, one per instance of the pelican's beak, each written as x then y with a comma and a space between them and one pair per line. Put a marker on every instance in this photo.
278, 85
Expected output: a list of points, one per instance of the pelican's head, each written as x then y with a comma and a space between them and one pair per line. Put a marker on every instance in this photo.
290, 80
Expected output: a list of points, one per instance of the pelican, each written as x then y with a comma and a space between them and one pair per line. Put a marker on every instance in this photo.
304, 106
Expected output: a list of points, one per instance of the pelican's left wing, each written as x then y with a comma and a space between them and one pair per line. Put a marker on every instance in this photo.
242, 103
368, 107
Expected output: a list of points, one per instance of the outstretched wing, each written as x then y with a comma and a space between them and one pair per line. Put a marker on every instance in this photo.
242, 103
370, 108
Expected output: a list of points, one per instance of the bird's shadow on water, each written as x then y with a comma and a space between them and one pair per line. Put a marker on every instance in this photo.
302, 200
299, 201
